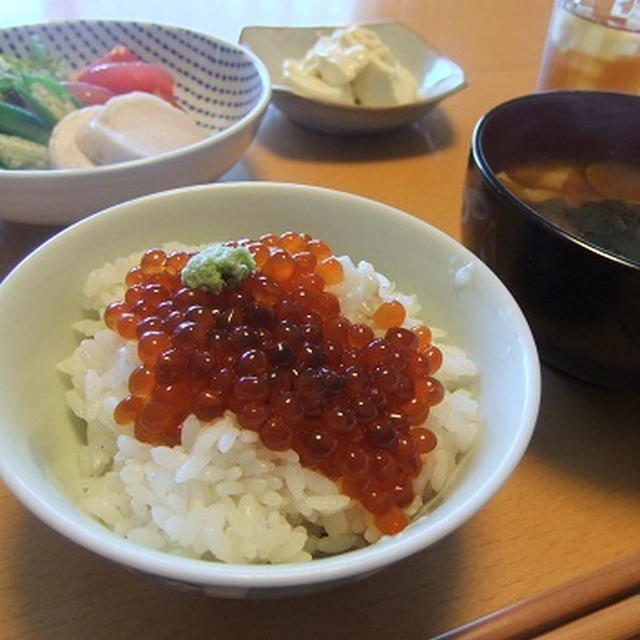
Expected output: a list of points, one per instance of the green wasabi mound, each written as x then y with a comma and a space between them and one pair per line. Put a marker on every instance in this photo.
218, 267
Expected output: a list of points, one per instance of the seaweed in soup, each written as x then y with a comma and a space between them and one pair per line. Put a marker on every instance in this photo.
613, 225
597, 202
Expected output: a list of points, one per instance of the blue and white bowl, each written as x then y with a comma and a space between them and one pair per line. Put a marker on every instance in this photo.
222, 85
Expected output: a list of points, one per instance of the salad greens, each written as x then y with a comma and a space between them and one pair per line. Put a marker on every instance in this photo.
18, 153
36, 60
32, 101
37, 91
45, 97
22, 123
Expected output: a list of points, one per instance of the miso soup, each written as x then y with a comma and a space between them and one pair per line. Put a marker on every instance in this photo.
598, 202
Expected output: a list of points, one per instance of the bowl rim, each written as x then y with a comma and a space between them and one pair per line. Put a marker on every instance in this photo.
256, 111
343, 566
480, 159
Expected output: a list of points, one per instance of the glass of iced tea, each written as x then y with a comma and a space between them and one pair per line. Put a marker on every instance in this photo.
592, 44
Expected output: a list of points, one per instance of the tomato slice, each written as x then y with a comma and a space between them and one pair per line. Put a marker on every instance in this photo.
120, 53
88, 94
117, 54
124, 77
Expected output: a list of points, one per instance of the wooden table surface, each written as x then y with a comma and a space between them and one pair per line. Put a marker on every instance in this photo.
571, 505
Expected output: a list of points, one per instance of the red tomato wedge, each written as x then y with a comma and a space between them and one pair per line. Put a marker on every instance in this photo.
88, 94
117, 54
124, 77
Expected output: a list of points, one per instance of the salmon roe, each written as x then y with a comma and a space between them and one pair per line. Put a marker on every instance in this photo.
277, 352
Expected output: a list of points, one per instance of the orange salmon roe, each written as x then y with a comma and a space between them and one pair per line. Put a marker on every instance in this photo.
389, 314
277, 352
330, 270
424, 336
392, 521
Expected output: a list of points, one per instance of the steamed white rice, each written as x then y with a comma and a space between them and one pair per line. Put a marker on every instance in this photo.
220, 494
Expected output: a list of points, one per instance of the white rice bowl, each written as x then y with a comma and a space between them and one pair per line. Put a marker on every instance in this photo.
222, 495
42, 297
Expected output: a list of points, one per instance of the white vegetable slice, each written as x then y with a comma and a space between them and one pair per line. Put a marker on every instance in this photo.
137, 125
63, 149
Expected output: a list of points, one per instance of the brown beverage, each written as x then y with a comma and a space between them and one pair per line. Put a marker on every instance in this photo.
593, 44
